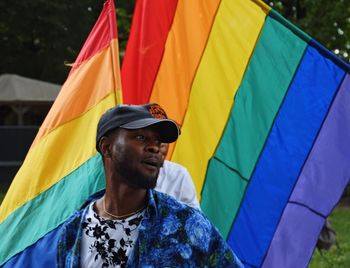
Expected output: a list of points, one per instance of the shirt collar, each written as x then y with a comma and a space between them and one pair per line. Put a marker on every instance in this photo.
152, 208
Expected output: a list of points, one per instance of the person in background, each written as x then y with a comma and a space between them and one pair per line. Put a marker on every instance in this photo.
175, 180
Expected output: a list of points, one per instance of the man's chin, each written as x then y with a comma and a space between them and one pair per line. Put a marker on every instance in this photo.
142, 180
150, 184
149, 181
145, 183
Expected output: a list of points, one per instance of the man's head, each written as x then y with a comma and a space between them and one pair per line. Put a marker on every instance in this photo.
129, 138
136, 117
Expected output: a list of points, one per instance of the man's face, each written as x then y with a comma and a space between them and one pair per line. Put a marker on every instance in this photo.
164, 147
136, 157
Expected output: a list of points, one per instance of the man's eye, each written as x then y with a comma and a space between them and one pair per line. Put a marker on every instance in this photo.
140, 137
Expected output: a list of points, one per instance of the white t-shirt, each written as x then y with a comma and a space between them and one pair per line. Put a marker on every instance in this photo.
175, 180
108, 243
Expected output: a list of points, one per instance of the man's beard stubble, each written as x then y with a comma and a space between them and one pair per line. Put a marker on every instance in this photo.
136, 179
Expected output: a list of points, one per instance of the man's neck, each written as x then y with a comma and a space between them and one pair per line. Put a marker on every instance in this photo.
121, 200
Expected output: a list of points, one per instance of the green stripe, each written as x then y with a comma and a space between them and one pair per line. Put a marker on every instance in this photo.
267, 78
298, 32
221, 195
45, 212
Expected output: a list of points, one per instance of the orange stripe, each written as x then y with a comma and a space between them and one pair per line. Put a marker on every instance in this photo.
183, 51
90, 83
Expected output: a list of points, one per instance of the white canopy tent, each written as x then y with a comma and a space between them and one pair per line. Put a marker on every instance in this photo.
20, 93
15, 88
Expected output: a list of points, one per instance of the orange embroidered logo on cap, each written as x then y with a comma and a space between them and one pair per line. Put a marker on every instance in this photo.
157, 112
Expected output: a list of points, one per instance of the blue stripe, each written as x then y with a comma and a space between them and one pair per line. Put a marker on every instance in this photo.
342, 64
285, 152
41, 254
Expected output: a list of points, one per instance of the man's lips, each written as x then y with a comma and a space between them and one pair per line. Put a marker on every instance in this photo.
152, 162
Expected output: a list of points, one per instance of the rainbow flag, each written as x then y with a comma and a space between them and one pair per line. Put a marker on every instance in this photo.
62, 168
265, 118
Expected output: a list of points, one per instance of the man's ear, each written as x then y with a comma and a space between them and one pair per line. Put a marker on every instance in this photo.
105, 147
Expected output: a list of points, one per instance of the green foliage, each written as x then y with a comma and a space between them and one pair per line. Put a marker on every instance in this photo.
2, 195
326, 21
340, 221
346, 193
38, 37
124, 17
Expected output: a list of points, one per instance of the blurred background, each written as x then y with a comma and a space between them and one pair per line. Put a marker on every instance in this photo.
39, 39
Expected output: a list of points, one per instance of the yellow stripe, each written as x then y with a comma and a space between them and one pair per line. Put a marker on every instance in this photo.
230, 45
62, 150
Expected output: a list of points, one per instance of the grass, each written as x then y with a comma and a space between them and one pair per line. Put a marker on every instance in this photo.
340, 221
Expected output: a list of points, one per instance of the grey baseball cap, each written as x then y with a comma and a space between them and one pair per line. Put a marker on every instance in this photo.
136, 117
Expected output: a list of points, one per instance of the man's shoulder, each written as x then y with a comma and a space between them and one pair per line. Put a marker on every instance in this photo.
182, 235
173, 165
164, 200
168, 205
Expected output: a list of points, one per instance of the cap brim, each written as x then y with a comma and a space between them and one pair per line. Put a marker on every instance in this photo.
168, 129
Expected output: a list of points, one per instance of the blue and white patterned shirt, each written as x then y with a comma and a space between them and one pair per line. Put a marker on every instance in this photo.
171, 234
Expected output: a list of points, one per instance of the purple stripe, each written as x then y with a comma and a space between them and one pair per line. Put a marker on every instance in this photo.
320, 186
327, 171
295, 239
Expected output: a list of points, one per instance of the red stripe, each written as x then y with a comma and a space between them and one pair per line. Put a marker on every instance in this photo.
150, 26
101, 35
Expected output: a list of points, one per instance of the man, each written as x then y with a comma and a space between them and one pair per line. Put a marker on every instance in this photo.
130, 224
173, 178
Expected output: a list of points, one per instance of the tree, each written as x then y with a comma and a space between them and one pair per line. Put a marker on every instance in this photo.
39, 37
326, 21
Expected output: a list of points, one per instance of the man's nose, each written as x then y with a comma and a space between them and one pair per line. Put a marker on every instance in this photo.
153, 146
